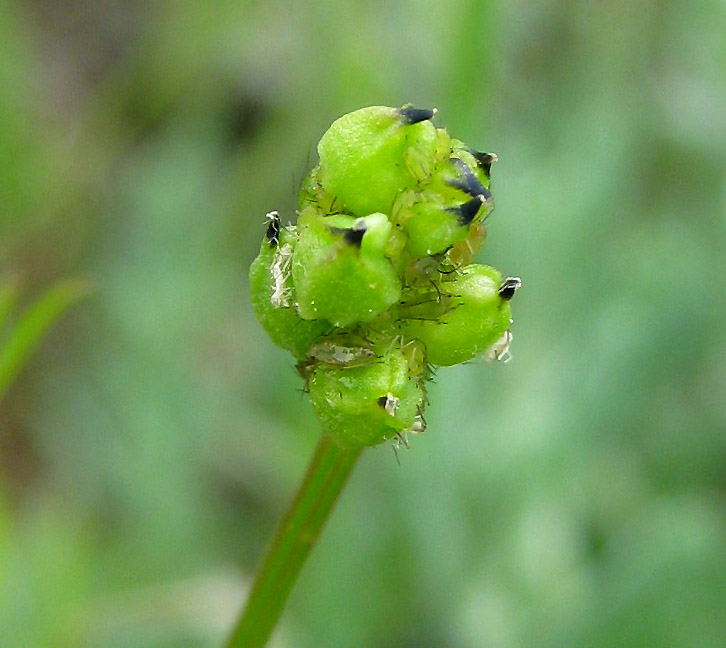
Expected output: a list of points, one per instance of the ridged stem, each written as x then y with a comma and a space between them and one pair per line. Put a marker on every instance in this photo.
295, 537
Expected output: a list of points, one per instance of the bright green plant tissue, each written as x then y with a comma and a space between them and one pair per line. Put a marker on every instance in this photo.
375, 284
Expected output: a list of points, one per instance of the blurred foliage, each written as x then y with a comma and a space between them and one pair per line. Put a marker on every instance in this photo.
575, 497
25, 335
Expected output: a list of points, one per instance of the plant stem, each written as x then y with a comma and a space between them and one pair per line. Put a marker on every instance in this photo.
323, 482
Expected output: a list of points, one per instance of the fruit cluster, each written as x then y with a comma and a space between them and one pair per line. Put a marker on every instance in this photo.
375, 284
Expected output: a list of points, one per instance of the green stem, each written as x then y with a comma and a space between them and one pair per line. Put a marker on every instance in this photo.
326, 475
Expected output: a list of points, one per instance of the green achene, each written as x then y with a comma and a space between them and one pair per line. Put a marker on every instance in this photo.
369, 403
364, 154
341, 271
374, 285
475, 317
273, 293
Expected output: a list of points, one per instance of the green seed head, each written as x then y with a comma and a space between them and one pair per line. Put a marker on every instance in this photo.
375, 284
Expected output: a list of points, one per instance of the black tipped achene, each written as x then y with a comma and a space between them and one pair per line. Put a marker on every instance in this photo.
509, 286
413, 115
467, 211
354, 235
468, 183
273, 229
484, 160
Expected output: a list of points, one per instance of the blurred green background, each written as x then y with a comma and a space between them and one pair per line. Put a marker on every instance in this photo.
574, 497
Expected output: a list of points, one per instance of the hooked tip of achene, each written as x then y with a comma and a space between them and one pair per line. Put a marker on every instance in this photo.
509, 286
468, 211
273, 228
484, 160
354, 235
412, 115
468, 183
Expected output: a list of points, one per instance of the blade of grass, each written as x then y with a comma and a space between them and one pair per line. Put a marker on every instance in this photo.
34, 323
295, 537
9, 289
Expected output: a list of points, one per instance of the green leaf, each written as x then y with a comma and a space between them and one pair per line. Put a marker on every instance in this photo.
9, 289
34, 323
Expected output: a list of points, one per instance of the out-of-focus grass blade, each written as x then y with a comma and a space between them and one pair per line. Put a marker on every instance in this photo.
34, 323
9, 288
